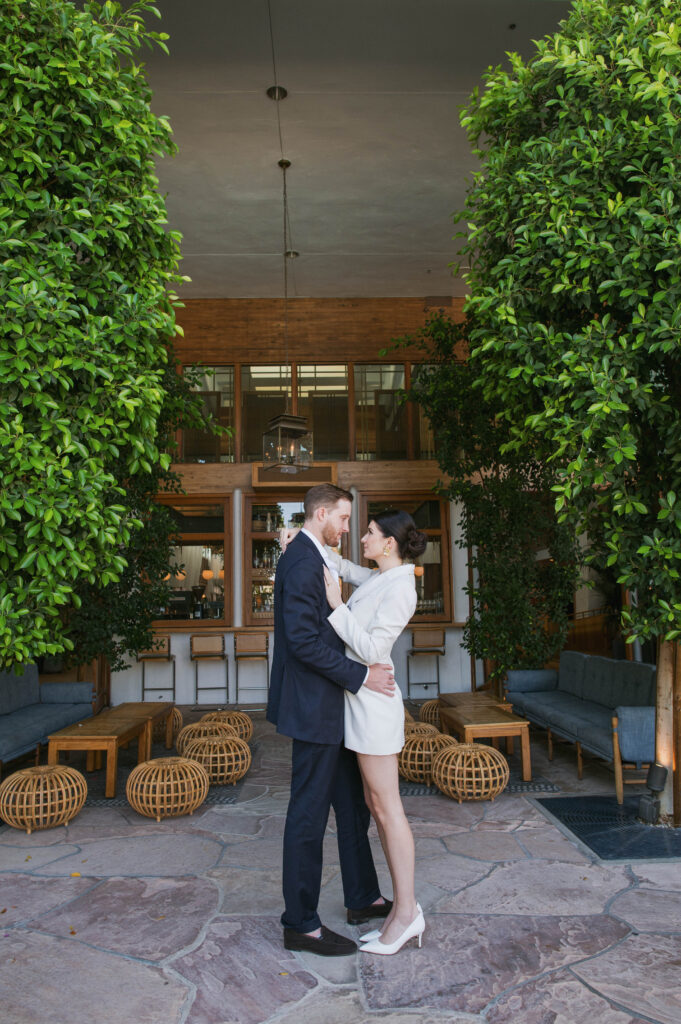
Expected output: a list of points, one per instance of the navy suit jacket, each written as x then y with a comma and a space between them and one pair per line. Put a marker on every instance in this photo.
310, 672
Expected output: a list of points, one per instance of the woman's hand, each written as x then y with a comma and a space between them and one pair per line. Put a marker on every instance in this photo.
333, 591
286, 535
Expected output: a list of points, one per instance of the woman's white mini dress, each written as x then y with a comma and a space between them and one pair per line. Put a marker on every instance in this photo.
370, 623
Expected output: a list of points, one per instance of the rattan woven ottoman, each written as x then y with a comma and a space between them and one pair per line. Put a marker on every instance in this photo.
167, 787
42, 797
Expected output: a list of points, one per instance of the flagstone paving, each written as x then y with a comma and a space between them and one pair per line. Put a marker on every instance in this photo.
130, 921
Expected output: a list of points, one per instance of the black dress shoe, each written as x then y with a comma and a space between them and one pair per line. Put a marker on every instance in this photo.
363, 914
328, 944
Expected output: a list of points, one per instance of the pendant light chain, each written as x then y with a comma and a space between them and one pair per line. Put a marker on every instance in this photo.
284, 164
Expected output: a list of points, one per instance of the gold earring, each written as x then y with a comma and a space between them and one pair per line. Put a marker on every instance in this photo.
386, 550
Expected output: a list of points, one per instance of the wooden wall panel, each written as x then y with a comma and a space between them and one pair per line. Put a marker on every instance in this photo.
320, 330
221, 478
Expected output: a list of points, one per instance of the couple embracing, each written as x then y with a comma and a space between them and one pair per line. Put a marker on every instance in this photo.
333, 692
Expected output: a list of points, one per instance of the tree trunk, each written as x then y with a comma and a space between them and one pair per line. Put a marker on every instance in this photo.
664, 720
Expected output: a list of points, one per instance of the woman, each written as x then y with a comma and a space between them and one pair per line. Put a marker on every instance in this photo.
376, 614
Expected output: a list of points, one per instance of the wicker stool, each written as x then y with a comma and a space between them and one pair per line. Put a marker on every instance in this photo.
225, 758
415, 759
167, 787
430, 712
42, 797
470, 771
408, 717
419, 729
197, 730
159, 733
239, 720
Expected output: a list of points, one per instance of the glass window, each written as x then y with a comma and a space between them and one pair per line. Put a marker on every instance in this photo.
381, 416
197, 576
323, 400
197, 585
264, 392
216, 388
264, 519
424, 446
432, 582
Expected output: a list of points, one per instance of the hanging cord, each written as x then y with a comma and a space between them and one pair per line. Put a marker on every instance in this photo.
284, 164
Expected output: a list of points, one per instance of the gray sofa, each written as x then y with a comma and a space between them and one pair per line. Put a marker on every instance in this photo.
602, 705
30, 711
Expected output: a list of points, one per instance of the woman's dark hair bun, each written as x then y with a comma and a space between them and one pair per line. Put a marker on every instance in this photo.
396, 523
414, 544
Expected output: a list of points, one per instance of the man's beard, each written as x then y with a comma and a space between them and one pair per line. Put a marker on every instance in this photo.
330, 536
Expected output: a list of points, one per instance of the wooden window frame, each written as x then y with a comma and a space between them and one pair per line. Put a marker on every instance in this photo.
411, 416
393, 499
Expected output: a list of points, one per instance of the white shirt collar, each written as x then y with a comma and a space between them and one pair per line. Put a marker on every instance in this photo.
322, 551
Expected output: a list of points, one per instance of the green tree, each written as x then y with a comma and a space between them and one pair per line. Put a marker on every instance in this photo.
86, 271
575, 276
520, 603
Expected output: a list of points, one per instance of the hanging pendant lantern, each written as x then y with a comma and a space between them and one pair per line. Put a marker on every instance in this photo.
287, 444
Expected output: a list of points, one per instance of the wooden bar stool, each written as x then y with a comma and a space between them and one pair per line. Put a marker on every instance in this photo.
429, 643
249, 646
159, 653
208, 647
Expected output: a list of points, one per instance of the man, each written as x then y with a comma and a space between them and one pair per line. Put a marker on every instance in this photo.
310, 674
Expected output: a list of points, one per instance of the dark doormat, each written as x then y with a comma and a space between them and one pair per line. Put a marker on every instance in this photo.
613, 831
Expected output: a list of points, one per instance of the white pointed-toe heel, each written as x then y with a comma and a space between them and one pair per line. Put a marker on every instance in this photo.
370, 936
415, 929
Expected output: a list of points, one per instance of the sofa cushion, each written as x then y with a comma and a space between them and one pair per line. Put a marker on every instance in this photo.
636, 684
18, 691
528, 680
610, 682
65, 693
542, 707
571, 672
636, 733
25, 728
601, 680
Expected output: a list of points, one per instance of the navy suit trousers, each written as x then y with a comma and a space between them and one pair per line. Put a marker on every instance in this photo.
325, 775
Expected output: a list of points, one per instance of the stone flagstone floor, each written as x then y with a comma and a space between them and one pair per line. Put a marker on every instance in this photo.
116, 918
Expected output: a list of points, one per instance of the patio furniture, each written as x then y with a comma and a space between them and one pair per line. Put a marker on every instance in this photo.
225, 758
239, 720
160, 728
429, 712
158, 654
42, 797
600, 704
30, 710
199, 730
154, 714
488, 721
167, 787
252, 647
419, 729
208, 647
415, 760
105, 733
426, 643
470, 771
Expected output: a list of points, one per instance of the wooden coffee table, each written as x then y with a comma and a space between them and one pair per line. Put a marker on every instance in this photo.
105, 733
472, 720
150, 712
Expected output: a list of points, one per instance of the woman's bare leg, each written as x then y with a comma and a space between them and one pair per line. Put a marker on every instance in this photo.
382, 791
